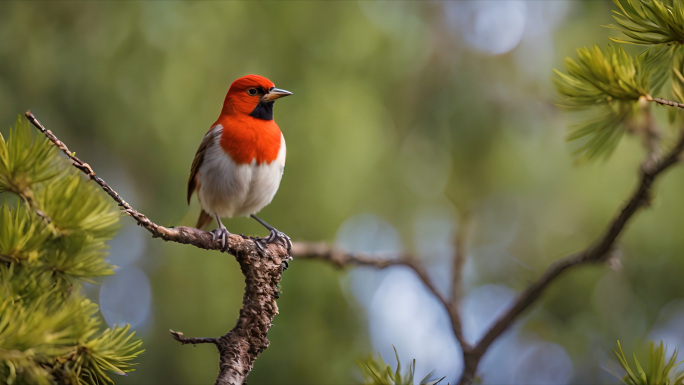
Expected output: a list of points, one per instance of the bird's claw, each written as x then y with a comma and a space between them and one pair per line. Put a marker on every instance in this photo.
281, 238
275, 237
222, 235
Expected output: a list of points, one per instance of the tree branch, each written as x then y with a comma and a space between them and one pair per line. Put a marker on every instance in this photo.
240, 347
178, 336
600, 251
664, 102
340, 258
457, 281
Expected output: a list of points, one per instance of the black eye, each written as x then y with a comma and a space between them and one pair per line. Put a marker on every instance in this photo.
252, 91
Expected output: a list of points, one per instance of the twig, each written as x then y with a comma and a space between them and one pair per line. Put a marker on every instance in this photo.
459, 260
240, 347
178, 336
457, 281
664, 102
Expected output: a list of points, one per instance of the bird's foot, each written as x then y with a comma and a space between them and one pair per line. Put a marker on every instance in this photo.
275, 237
221, 234
281, 238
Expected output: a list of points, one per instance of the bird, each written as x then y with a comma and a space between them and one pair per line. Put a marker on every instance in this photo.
239, 164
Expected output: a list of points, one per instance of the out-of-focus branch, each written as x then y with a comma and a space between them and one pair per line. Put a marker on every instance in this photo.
457, 280
323, 252
240, 347
600, 251
650, 134
340, 258
459, 260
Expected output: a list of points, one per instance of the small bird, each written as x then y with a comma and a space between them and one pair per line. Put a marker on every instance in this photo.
239, 164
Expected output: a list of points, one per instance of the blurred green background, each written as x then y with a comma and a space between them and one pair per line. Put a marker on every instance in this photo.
405, 116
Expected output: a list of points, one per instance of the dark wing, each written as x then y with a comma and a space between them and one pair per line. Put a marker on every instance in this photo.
209, 138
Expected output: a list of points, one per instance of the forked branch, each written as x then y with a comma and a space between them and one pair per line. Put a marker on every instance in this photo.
240, 347
598, 252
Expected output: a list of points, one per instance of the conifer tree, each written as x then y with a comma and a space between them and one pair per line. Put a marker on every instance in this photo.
53, 229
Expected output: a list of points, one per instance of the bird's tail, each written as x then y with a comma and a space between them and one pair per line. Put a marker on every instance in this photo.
204, 220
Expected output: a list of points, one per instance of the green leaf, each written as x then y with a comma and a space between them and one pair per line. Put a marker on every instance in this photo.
660, 370
599, 135
600, 78
397, 373
49, 333
630, 378
26, 160
649, 22
678, 76
21, 236
377, 372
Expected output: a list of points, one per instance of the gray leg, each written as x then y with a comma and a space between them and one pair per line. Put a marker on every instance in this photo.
221, 233
274, 236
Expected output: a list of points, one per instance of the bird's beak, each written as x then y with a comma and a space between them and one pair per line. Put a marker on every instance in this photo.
274, 94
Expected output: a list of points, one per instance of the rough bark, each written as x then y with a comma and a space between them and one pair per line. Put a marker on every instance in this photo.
240, 347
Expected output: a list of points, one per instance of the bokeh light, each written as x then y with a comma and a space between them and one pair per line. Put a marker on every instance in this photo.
405, 117
126, 297
493, 27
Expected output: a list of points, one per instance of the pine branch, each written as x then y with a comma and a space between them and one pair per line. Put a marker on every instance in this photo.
649, 22
665, 102
240, 347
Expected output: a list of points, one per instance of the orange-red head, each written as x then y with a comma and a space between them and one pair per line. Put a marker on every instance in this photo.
252, 95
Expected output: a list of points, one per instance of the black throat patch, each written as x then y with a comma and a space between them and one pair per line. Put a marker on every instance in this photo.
263, 111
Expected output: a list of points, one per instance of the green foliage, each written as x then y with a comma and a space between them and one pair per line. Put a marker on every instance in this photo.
50, 333
608, 83
600, 78
601, 133
377, 372
75, 211
678, 76
25, 160
660, 370
650, 21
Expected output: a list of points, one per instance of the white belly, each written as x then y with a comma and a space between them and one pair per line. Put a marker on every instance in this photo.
230, 190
